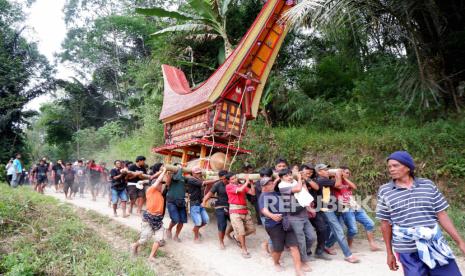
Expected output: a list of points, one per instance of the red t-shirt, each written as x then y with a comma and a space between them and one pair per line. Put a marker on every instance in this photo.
344, 193
237, 198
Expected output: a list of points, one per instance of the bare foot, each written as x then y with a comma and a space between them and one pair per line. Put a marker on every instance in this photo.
177, 239
278, 268
222, 247
125, 215
374, 247
168, 234
151, 259
197, 241
306, 267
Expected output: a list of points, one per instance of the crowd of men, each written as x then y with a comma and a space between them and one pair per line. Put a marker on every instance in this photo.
287, 201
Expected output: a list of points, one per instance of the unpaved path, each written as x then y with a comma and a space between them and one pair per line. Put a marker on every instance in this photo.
207, 259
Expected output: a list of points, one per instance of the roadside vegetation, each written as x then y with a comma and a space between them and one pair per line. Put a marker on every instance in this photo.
41, 236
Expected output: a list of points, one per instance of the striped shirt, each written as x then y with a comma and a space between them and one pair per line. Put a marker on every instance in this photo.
413, 207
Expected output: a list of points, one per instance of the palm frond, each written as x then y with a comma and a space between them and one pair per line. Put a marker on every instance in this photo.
302, 11
160, 12
188, 27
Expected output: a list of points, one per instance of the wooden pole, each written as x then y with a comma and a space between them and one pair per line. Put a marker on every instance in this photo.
185, 157
203, 155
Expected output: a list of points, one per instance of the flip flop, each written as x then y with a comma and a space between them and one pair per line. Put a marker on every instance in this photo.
237, 242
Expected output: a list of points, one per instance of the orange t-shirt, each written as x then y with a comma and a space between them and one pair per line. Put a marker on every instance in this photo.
154, 201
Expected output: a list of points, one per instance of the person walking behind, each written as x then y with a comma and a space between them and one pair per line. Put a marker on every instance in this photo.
241, 220
81, 177
67, 178
40, 175
199, 215
297, 215
221, 206
95, 177
176, 205
329, 208
10, 171
118, 188
411, 209
57, 171
270, 203
136, 195
152, 218
18, 167
352, 212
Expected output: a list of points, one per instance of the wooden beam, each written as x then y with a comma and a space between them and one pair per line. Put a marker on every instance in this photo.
185, 157
203, 154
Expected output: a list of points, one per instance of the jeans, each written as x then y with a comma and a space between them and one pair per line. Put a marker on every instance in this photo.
15, 180
319, 223
118, 194
303, 231
351, 217
199, 215
337, 232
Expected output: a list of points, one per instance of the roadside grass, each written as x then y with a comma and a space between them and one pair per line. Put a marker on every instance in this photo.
41, 236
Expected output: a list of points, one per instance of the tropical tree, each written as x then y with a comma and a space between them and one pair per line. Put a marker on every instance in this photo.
204, 20
25, 75
429, 33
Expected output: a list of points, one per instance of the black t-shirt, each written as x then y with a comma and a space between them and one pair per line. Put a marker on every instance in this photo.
69, 175
219, 188
325, 183
135, 168
117, 184
194, 188
58, 169
41, 171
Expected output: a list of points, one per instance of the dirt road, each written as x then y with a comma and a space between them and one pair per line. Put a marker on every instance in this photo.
207, 259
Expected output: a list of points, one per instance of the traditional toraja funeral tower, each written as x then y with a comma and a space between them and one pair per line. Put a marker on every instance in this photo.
205, 125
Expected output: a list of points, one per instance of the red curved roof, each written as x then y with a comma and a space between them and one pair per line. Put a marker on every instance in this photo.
176, 84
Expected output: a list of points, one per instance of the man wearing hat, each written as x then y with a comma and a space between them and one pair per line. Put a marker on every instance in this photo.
411, 209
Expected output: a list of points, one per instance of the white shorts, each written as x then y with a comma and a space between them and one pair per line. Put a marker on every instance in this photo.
146, 233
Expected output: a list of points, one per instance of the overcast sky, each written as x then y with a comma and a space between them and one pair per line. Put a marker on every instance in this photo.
46, 26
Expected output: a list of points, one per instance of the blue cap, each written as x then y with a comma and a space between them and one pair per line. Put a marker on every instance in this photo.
404, 158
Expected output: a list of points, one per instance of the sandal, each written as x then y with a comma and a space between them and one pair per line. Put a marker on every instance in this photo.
237, 242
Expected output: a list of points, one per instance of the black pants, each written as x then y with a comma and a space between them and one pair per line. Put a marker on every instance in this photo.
8, 179
319, 224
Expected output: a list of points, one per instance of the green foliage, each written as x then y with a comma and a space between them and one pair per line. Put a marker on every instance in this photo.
438, 149
25, 74
43, 237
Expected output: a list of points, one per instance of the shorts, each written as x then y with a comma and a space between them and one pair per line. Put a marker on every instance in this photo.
135, 193
147, 232
116, 194
199, 215
42, 180
222, 218
94, 181
242, 224
280, 238
413, 265
57, 179
68, 185
177, 214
